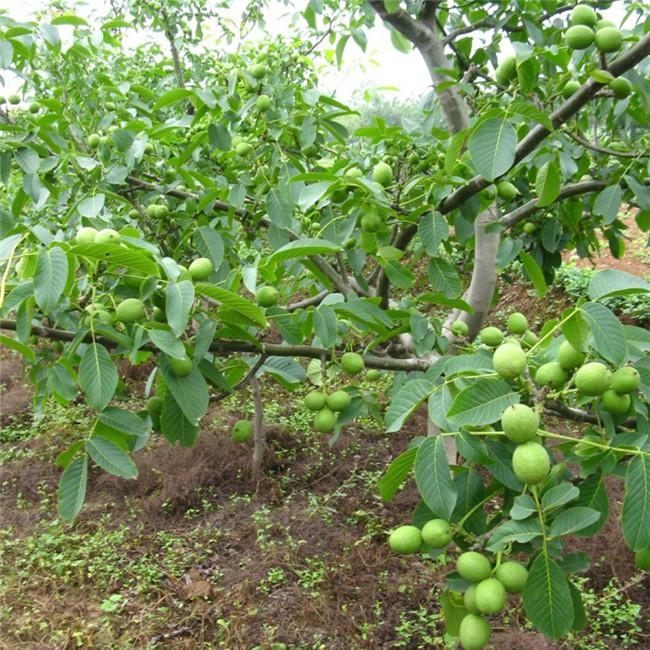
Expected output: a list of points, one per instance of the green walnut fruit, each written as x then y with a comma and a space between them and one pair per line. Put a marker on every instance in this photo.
149, 148
608, 39
352, 363
263, 103
506, 71
110, 106
507, 191
509, 360
161, 211
520, 423
437, 533
354, 172
459, 328
130, 311
570, 88
473, 566
373, 374
616, 404
551, 374
159, 315
593, 379
626, 380
529, 339
490, 596
93, 140
34, 107
267, 296
13, 99
86, 235
325, 420
201, 268
512, 576
155, 405
531, 463
568, 357
243, 149
382, 173
474, 632
583, 15
621, 87
405, 540
371, 223
151, 211
338, 401
642, 559
242, 431
315, 400
469, 599
258, 71
107, 236
491, 336
603, 23
181, 367
579, 37
529, 227
517, 323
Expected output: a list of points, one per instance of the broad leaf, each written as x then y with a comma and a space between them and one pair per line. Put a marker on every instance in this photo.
572, 520
534, 273
72, 488
514, 531
433, 477
115, 255
50, 277
233, 302
97, 376
302, 247
492, 147
482, 402
397, 473
189, 392
547, 183
180, 298
167, 342
110, 457
636, 506
612, 282
607, 332
407, 399
210, 244
608, 202
433, 230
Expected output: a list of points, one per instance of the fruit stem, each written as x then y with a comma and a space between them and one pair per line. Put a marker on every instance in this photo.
559, 436
540, 514
482, 502
550, 333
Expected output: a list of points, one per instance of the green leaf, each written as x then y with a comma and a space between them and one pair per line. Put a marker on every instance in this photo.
171, 97
72, 488
234, 302
325, 325
111, 458
210, 244
189, 392
175, 426
219, 136
547, 597
482, 402
433, 477
97, 376
534, 273
117, 256
90, 207
453, 609
636, 506
608, 202
499, 464
178, 304
471, 492
50, 277
407, 399
607, 332
443, 277
433, 230
168, 343
397, 473
113, 419
593, 494
492, 147
572, 520
514, 531
612, 282
547, 183
575, 328
68, 19
28, 160
302, 247
559, 495
19, 347
399, 275
523, 507
579, 617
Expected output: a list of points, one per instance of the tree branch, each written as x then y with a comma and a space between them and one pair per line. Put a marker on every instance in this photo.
579, 415
595, 147
308, 302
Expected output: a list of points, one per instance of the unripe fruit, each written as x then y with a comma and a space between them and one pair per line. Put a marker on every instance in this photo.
93, 140
520, 423
583, 15
506, 71
155, 405
161, 211
459, 328
107, 236
352, 363
531, 463
14, 99
621, 87
34, 107
382, 173
507, 191
491, 336
325, 421
263, 103
579, 37
490, 596
474, 632
568, 357
258, 71
181, 367
130, 310
86, 235
243, 149
149, 148
110, 106
354, 172
517, 323
570, 87
512, 576
642, 559
151, 211
469, 599
509, 360
437, 533
267, 296
626, 380
242, 431
338, 400
315, 400
371, 223
608, 39
473, 566
603, 23
159, 315
551, 374
201, 268
529, 227
593, 379
529, 339
616, 404
373, 374
405, 540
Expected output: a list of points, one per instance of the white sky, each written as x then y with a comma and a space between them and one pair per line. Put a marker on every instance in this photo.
381, 66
